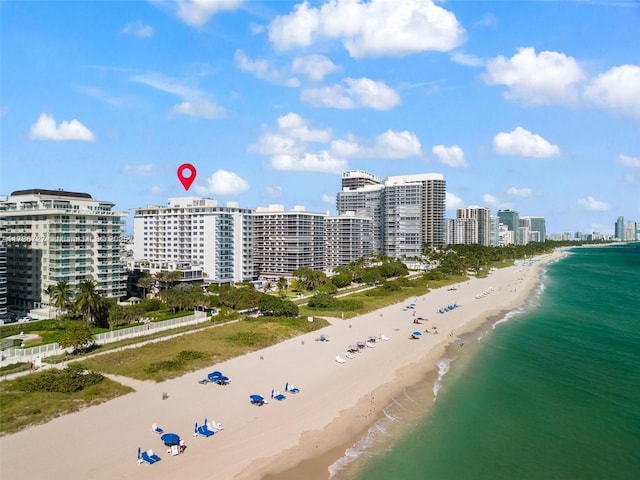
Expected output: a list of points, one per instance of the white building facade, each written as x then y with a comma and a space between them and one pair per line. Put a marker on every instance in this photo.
57, 236
196, 236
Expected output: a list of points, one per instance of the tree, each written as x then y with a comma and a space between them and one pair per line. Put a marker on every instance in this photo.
88, 299
62, 294
77, 335
144, 282
310, 279
50, 292
282, 286
342, 280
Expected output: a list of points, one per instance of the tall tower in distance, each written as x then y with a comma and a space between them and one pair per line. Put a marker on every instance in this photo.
619, 229
482, 215
511, 219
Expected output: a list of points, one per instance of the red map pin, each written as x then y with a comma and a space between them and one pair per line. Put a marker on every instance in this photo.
186, 175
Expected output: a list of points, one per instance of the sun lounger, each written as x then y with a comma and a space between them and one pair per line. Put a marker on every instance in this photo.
257, 400
156, 429
350, 355
384, 338
146, 458
153, 456
291, 389
215, 426
278, 396
204, 431
339, 359
204, 381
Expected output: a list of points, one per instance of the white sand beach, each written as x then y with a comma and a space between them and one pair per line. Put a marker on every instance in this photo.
335, 402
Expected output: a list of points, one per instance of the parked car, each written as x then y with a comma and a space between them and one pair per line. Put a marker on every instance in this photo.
25, 319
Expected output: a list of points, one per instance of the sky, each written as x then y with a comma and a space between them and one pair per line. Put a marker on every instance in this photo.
528, 105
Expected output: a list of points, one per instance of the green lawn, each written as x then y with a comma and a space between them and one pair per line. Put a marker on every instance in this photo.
177, 356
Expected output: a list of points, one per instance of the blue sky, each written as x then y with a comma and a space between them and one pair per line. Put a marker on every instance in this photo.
530, 105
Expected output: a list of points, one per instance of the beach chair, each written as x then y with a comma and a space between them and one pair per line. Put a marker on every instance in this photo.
277, 395
204, 431
291, 389
156, 429
146, 458
384, 338
204, 381
153, 456
339, 359
215, 426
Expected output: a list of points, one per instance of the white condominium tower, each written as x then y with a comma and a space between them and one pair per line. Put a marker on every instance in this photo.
195, 234
482, 215
57, 236
348, 237
286, 240
414, 207
407, 211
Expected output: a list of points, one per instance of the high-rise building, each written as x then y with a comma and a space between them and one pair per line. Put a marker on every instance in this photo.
355, 179
407, 211
630, 231
54, 236
348, 237
414, 207
494, 228
197, 236
537, 229
511, 219
482, 215
286, 240
3, 259
462, 231
619, 228
367, 200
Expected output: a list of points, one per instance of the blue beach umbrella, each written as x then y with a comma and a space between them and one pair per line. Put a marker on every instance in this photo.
170, 439
417, 334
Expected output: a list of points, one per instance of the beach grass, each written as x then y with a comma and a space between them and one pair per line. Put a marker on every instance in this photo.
22, 409
382, 296
176, 356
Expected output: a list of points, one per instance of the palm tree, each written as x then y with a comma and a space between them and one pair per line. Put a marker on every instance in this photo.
144, 282
282, 286
62, 294
88, 299
50, 292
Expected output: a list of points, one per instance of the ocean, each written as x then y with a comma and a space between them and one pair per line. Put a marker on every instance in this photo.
550, 391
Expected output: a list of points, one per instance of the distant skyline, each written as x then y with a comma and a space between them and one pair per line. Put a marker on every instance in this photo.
531, 105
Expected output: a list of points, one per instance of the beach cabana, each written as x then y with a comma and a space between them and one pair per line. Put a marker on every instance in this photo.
416, 334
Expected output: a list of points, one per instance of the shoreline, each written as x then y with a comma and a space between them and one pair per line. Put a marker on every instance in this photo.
335, 406
316, 467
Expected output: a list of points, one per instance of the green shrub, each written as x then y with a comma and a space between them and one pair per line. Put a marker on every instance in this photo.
74, 378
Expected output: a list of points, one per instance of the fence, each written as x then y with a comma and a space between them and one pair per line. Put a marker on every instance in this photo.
19, 354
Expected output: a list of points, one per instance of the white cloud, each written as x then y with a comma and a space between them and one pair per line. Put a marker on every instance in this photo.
544, 78
157, 190
387, 145
289, 150
328, 199
272, 191
223, 182
256, 28
452, 156
353, 93
298, 128
46, 129
467, 60
520, 192
487, 20
264, 70
618, 89
593, 205
196, 103
309, 162
453, 202
138, 29
523, 143
198, 12
628, 161
373, 28
142, 169
315, 67
201, 109
494, 201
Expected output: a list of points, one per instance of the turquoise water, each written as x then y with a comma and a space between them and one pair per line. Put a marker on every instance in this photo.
552, 393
